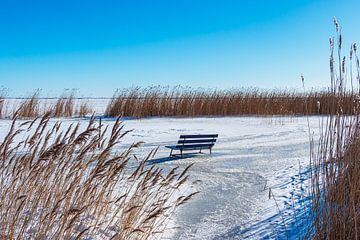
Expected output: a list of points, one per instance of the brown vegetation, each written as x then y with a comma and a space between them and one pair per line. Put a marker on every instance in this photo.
336, 160
183, 102
29, 108
83, 110
65, 106
56, 183
187, 102
1, 107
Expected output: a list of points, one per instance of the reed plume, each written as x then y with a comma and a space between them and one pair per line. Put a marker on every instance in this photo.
188, 102
335, 161
57, 183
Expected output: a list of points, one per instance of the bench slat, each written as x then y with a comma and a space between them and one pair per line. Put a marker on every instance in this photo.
174, 147
211, 140
194, 146
200, 136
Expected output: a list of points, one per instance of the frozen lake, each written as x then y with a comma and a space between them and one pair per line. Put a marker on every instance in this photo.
252, 156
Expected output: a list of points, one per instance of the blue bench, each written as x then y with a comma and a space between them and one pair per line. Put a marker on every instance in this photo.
193, 142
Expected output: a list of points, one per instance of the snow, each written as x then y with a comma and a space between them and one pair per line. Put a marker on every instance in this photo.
254, 156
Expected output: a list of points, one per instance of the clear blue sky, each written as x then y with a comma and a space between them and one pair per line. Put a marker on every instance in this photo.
98, 46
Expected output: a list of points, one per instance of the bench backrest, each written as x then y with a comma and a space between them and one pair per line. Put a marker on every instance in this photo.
205, 140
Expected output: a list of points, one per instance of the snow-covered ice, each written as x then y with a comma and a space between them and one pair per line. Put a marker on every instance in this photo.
253, 157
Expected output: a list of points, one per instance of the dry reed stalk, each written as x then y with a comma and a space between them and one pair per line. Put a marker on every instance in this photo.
83, 109
187, 102
29, 108
2, 113
56, 183
184, 102
336, 161
64, 106
3, 93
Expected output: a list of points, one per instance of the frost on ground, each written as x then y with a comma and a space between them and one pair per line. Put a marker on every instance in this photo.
254, 185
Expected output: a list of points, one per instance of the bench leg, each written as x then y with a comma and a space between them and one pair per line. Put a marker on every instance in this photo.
210, 151
170, 153
181, 154
200, 150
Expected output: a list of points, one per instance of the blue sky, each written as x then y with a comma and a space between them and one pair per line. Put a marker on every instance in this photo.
98, 46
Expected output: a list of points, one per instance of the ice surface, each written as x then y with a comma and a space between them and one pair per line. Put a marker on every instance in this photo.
251, 155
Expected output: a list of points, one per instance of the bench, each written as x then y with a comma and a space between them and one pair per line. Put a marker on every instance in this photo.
193, 142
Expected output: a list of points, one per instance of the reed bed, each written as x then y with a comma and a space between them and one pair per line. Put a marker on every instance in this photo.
67, 183
65, 106
2, 110
83, 110
335, 161
187, 102
29, 108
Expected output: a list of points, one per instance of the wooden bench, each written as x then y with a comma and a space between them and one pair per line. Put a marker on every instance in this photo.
193, 142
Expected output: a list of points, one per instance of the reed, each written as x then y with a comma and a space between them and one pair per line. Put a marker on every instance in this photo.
29, 108
188, 102
335, 161
67, 183
3, 106
2, 113
83, 110
64, 106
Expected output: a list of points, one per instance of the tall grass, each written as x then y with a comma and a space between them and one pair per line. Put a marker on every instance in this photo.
2, 113
3, 107
56, 183
83, 110
188, 102
29, 108
336, 160
65, 106
183, 102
